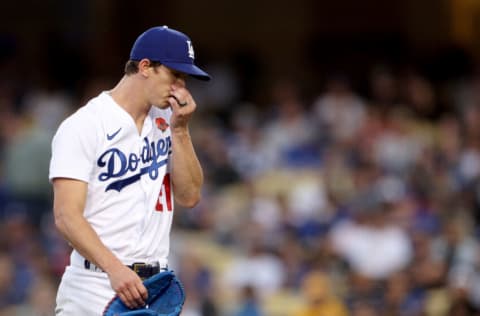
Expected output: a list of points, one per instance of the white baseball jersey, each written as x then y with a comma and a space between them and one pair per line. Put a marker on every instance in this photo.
130, 199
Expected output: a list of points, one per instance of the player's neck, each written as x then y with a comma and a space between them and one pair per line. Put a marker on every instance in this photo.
126, 95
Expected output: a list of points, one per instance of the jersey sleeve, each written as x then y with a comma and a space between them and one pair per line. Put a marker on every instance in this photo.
73, 149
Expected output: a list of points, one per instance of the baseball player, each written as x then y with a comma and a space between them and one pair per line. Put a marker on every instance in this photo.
117, 166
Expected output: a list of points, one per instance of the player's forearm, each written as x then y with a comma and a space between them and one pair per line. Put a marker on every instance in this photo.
187, 174
78, 232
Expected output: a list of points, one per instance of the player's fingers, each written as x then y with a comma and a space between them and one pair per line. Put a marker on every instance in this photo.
143, 291
126, 298
132, 299
137, 297
173, 101
179, 101
181, 95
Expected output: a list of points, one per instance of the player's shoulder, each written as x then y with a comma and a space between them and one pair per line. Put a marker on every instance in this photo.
92, 111
95, 107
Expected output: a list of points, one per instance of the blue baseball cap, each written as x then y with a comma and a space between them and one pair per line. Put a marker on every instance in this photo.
169, 47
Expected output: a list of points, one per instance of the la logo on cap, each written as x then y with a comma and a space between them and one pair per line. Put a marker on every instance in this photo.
191, 53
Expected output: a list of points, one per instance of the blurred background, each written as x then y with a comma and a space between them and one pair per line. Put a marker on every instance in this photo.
340, 142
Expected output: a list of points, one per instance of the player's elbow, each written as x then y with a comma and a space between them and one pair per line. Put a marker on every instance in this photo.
60, 221
189, 201
192, 203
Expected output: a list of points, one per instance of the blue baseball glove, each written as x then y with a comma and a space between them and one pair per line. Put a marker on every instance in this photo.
165, 298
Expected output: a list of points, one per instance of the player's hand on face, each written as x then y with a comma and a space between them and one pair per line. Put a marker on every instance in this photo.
128, 286
183, 105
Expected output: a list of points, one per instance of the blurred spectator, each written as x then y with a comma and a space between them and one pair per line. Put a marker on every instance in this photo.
8, 293
396, 149
245, 149
47, 108
40, 301
26, 159
259, 269
383, 88
249, 304
213, 154
400, 299
288, 138
371, 244
460, 252
419, 95
197, 280
319, 297
339, 110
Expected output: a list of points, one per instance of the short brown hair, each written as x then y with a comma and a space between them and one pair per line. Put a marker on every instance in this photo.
131, 67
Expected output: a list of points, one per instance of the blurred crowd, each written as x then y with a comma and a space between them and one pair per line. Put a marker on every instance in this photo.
345, 201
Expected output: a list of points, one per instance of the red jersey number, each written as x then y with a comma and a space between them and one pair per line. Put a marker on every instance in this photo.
165, 191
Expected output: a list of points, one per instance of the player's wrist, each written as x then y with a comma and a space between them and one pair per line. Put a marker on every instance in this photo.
110, 265
180, 131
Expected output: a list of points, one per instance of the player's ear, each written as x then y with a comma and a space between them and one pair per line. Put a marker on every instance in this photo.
143, 67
